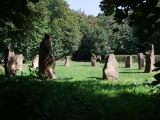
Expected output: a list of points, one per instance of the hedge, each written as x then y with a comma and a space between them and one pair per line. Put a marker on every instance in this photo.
122, 58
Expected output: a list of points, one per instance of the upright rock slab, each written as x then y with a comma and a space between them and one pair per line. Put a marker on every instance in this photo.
35, 62
9, 62
110, 69
67, 61
93, 60
150, 58
1, 68
141, 61
46, 59
128, 62
99, 58
19, 62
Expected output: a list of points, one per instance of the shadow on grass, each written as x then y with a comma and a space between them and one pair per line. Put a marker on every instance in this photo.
76, 100
66, 79
129, 68
86, 65
131, 72
97, 78
61, 65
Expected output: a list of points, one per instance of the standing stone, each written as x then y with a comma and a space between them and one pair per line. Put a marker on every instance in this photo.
110, 69
19, 62
141, 61
128, 62
98, 57
46, 59
9, 62
35, 61
93, 60
150, 58
67, 61
1, 68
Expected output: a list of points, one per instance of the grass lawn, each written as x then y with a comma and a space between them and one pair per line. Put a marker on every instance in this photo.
80, 93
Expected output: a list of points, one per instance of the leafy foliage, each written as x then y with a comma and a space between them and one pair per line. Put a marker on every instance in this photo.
13, 11
122, 40
36, 24
143, 14
74, 33
25, 39
94, 40
65, 28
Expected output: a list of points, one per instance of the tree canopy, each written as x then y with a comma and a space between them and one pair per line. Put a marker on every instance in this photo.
142, 14
13, 11
74, 33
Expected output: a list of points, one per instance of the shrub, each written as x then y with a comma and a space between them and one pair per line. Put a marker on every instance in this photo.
122, 58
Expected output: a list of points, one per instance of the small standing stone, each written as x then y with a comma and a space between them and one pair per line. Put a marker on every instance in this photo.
46, 59
128, 62
150, 58
19, 62
110, 69
67, 61
9, 62
141, 61
93, 60
98, 57
1, 68
35, 61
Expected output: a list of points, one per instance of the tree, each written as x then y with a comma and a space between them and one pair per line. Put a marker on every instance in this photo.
13, 11
100, 41
26, 39
142, 14
94, 40
121, 41
16, 25
65, 28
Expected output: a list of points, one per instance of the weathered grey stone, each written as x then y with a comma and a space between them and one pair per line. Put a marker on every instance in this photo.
19, 62
150, 58
93, 60
99, 58
141, 61
128, 62
35, 61
46, 59
110, 69
9, 62
67, 61
1, 68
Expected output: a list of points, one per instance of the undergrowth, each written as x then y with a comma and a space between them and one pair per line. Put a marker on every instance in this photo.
79, 93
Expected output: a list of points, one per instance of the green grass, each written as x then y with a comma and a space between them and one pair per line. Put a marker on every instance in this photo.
80, 93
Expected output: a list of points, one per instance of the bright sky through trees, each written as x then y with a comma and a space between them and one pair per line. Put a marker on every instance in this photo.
90, 7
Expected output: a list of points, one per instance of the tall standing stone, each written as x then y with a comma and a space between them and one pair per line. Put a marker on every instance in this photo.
9, 61
46, 59
19, 62
93, 60
128, 62
35, 61
150, 58
110, 69
141, 61
67, 61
